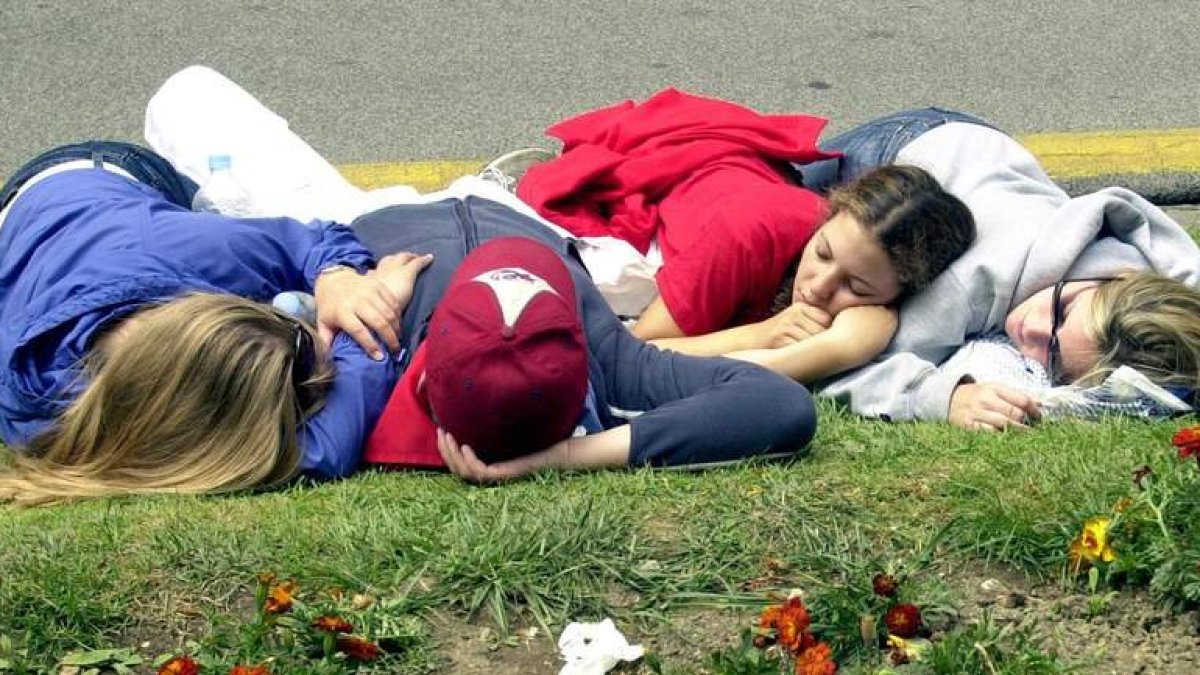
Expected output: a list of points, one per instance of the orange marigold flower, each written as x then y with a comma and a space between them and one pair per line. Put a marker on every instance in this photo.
1187, 440
180, 665
279, 600
903, 620
816, 660
884, 585
357, 648
789, 621
1092, 544
250, 670
332, 624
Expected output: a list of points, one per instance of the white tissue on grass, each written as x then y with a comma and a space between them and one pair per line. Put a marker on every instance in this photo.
594, 648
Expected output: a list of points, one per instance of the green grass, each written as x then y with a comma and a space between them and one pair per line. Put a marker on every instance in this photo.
868, 496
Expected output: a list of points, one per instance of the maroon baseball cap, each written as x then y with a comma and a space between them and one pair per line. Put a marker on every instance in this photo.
507, 364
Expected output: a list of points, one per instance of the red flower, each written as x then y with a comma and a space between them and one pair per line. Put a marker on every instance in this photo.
1187, 440
903, 620
279, 600
884, 585
180, 665
250, 670
357, 648
789, 621
332, 624
816, 660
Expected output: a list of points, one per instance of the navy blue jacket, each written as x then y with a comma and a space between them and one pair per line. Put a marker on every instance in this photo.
83, 248
682, 410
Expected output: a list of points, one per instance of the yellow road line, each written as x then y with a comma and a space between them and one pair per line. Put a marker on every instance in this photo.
424, 176
1082, 155
1064, 155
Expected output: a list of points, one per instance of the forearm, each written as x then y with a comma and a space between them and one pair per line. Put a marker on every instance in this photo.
805, 361
736, 339
857, 335
606, 449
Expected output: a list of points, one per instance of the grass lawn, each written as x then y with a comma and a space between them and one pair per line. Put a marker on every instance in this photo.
429, 567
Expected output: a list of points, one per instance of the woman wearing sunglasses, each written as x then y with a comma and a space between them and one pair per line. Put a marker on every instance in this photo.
1038, 255
140, 350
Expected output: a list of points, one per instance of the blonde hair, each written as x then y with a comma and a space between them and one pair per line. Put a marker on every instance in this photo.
197, 397
1150, 323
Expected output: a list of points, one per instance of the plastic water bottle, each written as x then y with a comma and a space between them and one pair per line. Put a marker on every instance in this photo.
222, 193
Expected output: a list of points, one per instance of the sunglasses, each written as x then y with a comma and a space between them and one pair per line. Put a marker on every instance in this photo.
1054, 351
304, 359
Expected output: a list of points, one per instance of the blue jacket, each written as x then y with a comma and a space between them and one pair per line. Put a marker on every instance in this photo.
682, 410
83, 248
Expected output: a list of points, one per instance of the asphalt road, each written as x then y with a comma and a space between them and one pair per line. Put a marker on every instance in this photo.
379, 80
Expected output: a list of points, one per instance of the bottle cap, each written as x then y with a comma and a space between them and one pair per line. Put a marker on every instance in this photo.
219, 162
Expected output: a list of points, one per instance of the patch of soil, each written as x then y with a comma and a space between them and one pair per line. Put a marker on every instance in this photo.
1127, 634
477, 647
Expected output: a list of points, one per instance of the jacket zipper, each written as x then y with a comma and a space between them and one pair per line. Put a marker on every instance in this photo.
469, 229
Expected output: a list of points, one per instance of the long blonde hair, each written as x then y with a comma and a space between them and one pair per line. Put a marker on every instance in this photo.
1150, 323
196, 397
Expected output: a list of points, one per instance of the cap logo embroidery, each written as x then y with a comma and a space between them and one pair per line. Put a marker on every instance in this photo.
514, 289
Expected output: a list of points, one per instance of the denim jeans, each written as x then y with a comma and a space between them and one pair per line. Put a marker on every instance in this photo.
874, 144
145, 165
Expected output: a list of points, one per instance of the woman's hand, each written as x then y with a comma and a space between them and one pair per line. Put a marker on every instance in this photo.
462, 461
798, 322
399, 273
357, 304
990, 407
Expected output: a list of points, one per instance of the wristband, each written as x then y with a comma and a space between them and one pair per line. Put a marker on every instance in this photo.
334, 269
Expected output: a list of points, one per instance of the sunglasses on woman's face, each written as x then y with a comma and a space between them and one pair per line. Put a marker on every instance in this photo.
304, 357
1058, 314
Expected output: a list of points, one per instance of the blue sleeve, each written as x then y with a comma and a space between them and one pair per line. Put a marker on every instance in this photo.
696, 410
332, 440
258, 257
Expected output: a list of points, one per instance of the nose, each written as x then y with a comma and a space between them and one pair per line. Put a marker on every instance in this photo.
1038, 328
823, 285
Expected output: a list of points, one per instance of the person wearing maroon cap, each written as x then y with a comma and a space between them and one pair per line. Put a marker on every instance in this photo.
514, 362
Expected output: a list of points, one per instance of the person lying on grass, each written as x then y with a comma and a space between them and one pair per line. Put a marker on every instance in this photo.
514, 362
140, 350
143, 357
1049, 274
889, 234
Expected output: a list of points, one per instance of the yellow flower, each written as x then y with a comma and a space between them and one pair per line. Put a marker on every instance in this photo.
1092, 544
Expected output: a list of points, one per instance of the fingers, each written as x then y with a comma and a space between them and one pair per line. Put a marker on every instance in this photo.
1023, 402
421, 262
991, 420
811, 315
325, 334
394, 260
461, 460
359, 332
381, 318
994, 412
